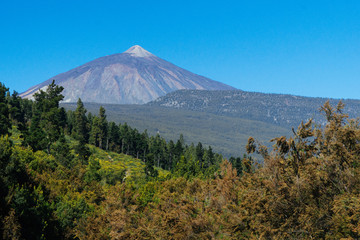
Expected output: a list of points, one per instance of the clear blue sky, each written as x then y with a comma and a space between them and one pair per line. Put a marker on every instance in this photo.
309, 48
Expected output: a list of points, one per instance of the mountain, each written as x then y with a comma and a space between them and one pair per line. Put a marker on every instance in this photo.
279, 109
133, 77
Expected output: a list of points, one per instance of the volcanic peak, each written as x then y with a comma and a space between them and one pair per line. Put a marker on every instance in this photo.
137, 51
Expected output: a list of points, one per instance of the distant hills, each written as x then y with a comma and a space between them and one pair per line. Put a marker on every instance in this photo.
135, 76
278, 109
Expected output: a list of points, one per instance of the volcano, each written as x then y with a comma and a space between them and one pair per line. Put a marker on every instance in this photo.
135, 76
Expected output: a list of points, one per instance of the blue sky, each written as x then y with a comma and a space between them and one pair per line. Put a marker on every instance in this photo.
308, 48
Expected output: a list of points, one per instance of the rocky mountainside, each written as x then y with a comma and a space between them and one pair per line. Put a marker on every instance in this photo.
279, 109
133, 77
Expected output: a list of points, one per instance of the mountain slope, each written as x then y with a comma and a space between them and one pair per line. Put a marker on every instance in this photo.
133, 77
279, 109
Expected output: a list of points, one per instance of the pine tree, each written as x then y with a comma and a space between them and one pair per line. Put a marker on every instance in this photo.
179, 148
92, 173
5, 153
237, 164
171, 154
99, 130
4, 111
114, 137
17, 114
46, 110
95, 131
61, 150
199, 152
157, 147
150, 171
144, 143
125, 138
27, 108
80, 129
36, 137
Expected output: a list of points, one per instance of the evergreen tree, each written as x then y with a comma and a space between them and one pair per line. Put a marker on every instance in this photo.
237, 164
182, 140
46, 108
27, 109
90, 117
5, 153
157, 148
144, 143
36, 137
17, 114
92, 173
103, 128
150, 171
4, 111
61, 150
70, 123
62, 118
80, 132
208, 158
179, 148
171, 154
99, 129
199, 152
95, 131
114, 137
125, 138
80, 129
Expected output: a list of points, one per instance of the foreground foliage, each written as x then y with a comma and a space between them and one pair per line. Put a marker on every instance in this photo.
127, 185
308, 185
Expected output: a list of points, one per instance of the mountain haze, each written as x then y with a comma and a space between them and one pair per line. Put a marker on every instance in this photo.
135, 76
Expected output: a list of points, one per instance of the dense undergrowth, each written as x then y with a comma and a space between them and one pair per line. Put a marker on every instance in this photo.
71, 176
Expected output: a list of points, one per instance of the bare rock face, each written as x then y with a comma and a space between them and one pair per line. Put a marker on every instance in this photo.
133, 77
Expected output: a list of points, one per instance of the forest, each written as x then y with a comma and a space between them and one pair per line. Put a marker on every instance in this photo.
76, 175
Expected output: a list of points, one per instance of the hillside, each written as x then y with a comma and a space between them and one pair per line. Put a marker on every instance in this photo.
278, 109
133, 77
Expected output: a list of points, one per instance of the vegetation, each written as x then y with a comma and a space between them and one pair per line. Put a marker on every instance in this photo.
222, 119
68, 175
226, 134
57, 167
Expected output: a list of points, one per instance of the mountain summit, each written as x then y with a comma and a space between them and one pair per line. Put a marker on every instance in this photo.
137, 51
135, 76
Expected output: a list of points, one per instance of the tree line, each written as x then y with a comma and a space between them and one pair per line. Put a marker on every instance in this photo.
43, 123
